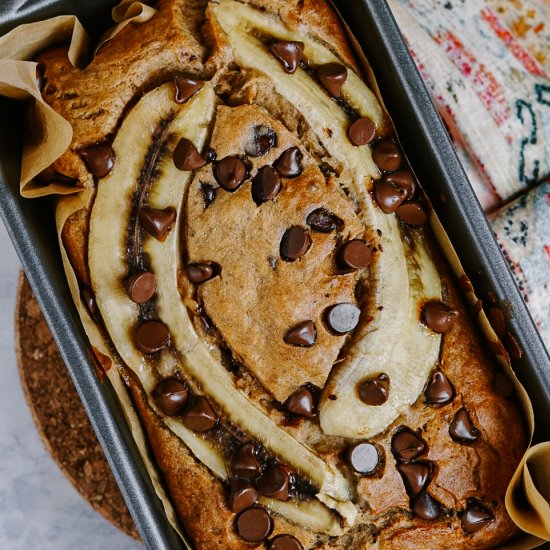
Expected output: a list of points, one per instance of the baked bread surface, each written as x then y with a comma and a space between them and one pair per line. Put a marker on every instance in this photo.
251, 300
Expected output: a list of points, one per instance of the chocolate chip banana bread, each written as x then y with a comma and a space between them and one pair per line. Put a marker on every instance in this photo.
250, 250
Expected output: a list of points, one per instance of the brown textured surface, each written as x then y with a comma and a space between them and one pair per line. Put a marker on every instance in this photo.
59, 416
249, 302
480, 470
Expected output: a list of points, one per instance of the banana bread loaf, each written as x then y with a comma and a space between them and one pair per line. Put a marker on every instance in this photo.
254, 252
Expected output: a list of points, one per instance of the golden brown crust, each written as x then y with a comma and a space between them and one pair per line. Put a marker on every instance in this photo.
140, 57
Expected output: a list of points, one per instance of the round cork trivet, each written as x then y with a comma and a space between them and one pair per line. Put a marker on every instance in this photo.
59, 415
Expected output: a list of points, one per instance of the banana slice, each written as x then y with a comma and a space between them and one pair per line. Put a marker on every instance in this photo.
390, 342
108, 267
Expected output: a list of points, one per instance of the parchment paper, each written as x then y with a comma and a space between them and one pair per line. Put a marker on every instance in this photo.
528, 495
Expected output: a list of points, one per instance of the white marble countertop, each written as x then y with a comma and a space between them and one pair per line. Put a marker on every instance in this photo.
39, 508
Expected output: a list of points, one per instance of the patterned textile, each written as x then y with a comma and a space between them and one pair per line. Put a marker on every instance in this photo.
487, 65
491, 84
523, 232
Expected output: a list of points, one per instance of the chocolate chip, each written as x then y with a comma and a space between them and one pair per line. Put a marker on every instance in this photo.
438, 316
412, 213
170, 396
230, 172
200, 416
425, 507
355, 254
151, 336
475, 517
289, 164
99, 159
254, 524
242, 495
415, 476
387, 196
301, 403
303, 335
141, 287
375, 391
364, 458
332, 77
406, 445
285, 542
157, 223
403, 179
288, 53
324, 221
439, 390
266, 185
87, 296
362, 131
186, 88
186, 156
502, 384
274, 483
295, 243
387, 156
244, 462
199, 273
258, 144
342, 318
462, 429
208, 194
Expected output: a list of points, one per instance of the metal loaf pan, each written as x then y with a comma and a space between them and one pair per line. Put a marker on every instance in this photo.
30, 224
